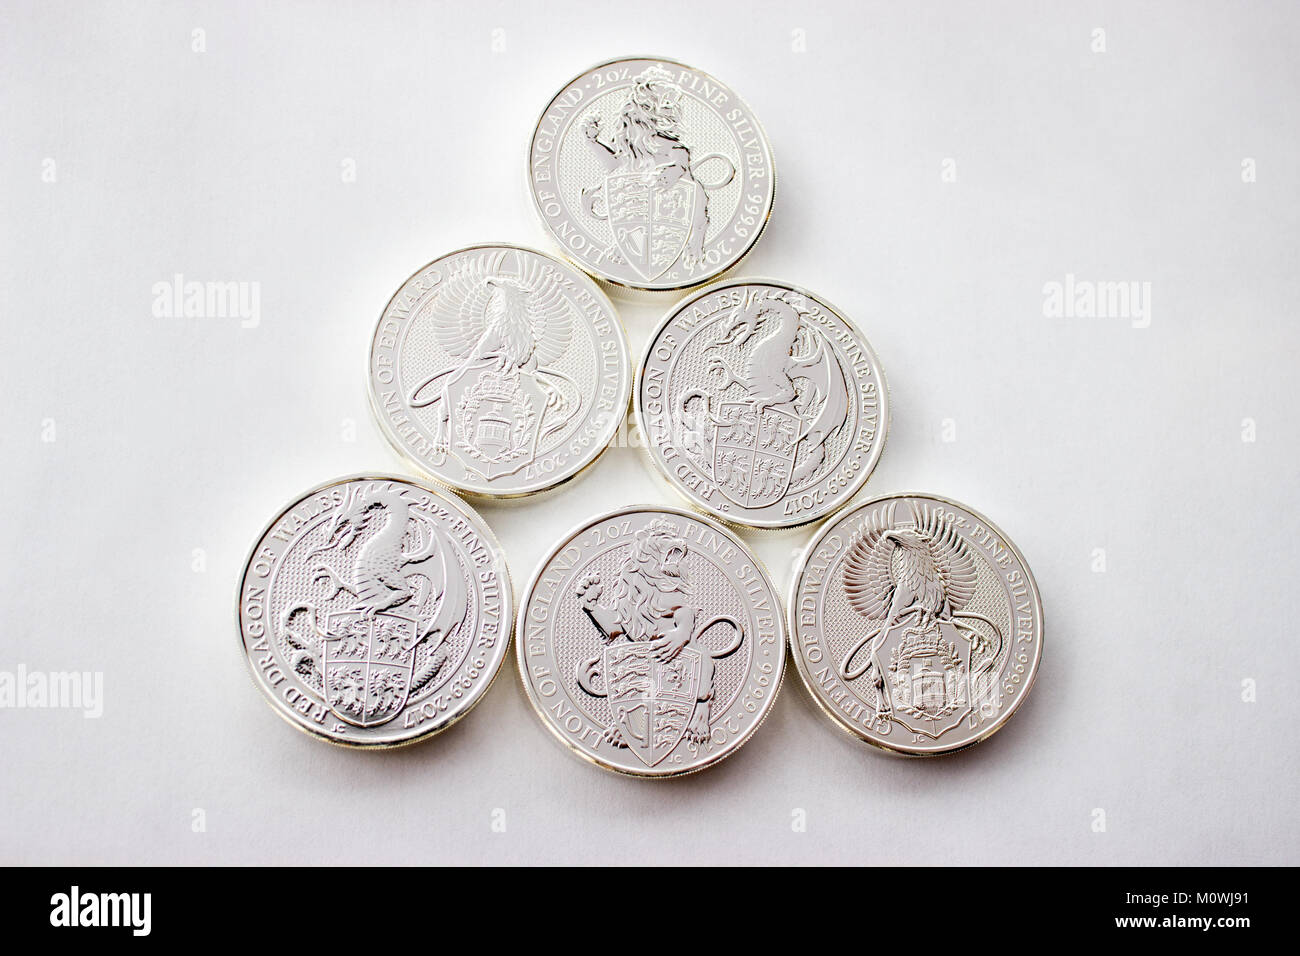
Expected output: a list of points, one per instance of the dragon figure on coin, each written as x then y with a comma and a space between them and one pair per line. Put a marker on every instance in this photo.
778, 398
401, 604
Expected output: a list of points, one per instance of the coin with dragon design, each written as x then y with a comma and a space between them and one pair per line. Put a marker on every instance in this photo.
915, 624
499, 371
375, 611
651, 641
761, 403
651, 174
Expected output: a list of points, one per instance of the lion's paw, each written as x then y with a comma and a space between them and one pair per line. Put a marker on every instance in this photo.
697, 731
612, 735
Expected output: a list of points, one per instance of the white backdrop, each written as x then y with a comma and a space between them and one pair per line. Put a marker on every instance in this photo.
939, 164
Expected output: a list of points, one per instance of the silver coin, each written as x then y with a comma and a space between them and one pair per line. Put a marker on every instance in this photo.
915, 624
499, 371
651, 174
375, 611
651, 642
761, 403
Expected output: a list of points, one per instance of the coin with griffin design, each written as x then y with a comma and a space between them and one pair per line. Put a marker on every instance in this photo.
761, 403
651, 174
375, 611
915, 624
499, 371
651, 641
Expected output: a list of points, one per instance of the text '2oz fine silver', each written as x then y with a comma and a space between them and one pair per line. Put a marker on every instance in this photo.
499, 371
915, 624
375, 611
761, 403
651, 642
651, 174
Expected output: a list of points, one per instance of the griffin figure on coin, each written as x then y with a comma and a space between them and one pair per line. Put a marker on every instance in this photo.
505, 330
945, 662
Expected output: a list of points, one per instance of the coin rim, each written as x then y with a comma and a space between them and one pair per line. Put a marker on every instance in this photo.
801, 564
478, 494
731, 519
484, 530
596, 759
631, 286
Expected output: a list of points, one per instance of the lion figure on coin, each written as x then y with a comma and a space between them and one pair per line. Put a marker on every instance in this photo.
650, 602
649, 138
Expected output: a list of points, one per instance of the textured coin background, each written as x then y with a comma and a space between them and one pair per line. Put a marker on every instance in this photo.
633, 553
653, 235
761, 403
347, 664
949, 684
499, 370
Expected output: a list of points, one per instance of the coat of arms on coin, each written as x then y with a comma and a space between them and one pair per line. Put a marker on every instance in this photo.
651, 642
762, 404
499, 371
651, 174
374, 611
915, 624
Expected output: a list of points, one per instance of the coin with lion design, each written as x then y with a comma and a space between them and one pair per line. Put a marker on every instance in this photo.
916, 624
375, 611
651, 642
650, 174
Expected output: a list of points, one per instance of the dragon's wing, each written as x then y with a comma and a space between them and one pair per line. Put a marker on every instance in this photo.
549, 312
826, 405
453, 604
458, 307
868, 581
952, 556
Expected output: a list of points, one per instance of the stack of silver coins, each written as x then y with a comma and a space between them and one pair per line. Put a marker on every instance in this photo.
376, 610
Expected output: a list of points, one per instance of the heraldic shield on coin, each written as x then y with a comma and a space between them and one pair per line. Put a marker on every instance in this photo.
761, 403
651, 174
915, 624
375, 611
651, 642
499, 371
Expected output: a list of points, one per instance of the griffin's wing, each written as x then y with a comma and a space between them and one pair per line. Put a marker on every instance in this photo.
458, 308
952, 556
549, 311
868, 581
